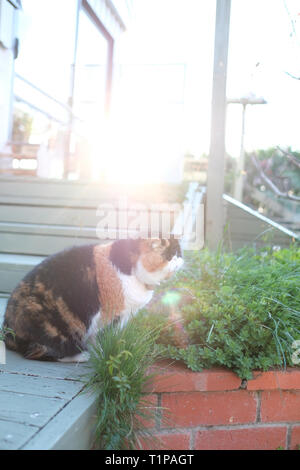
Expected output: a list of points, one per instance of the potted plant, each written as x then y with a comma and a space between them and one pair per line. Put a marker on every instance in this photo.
2, 347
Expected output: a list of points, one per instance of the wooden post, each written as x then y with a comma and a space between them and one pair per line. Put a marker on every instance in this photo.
215, 176
71, 96
239, 179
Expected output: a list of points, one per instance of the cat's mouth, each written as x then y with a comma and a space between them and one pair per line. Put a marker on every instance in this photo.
151, 286
175, 264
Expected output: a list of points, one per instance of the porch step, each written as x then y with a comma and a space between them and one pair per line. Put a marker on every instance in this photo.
13, 268
43, 405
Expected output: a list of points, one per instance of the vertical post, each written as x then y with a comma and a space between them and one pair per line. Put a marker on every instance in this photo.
215, 175
8, 18
71, 97
238, 187
109, 75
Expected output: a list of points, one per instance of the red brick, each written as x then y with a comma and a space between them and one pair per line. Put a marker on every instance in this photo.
272, 380
295, 438
176, 441
151, 402
289, 379
177, 378
263, 381
277, 405
255, 438
202, 408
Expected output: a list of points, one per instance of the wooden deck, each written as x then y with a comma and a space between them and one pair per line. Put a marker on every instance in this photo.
42, 404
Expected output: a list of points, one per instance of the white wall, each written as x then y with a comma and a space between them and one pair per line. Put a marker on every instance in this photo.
6, 69
7, 36
124, 8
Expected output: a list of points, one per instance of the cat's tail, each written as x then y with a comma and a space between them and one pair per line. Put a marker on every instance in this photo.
36, 351
28, 350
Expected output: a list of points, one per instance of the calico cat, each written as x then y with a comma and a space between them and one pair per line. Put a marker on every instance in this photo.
63, 302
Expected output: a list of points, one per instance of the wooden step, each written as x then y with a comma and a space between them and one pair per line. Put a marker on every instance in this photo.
13, 268
43, 405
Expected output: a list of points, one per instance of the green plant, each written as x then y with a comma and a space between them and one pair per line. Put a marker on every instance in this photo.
120, 359
22, 126
4, 331
244, 313
282, 169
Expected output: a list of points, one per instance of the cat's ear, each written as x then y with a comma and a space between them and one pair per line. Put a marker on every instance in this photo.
124, 254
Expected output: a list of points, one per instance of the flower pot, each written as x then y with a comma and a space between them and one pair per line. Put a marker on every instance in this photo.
2, 353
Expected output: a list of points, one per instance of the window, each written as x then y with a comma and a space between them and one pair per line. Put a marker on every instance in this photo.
91, 70
47, 44
61, 87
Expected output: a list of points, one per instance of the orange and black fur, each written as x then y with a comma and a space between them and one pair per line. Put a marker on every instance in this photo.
65, 300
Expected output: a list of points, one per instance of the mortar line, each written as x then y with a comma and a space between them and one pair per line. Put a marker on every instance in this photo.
258, 408
158, 415
288, 436
226, 427
192, 440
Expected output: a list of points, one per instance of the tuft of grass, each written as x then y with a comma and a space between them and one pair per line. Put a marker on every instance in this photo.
120, 359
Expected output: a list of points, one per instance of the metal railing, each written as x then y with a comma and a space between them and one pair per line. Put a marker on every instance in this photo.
15, 152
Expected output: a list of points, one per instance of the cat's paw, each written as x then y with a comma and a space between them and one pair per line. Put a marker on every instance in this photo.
81, 357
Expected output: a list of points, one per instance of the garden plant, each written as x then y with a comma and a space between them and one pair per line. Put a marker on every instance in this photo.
236, 310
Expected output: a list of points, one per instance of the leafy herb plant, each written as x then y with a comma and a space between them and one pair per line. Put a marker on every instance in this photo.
244, 312
238, 310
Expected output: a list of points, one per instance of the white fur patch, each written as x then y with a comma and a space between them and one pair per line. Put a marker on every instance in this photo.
95, 326
136, 296
175, 264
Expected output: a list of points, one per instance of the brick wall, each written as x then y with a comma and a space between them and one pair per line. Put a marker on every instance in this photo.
214, 409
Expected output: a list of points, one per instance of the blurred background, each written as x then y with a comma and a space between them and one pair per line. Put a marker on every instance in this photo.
121, 90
